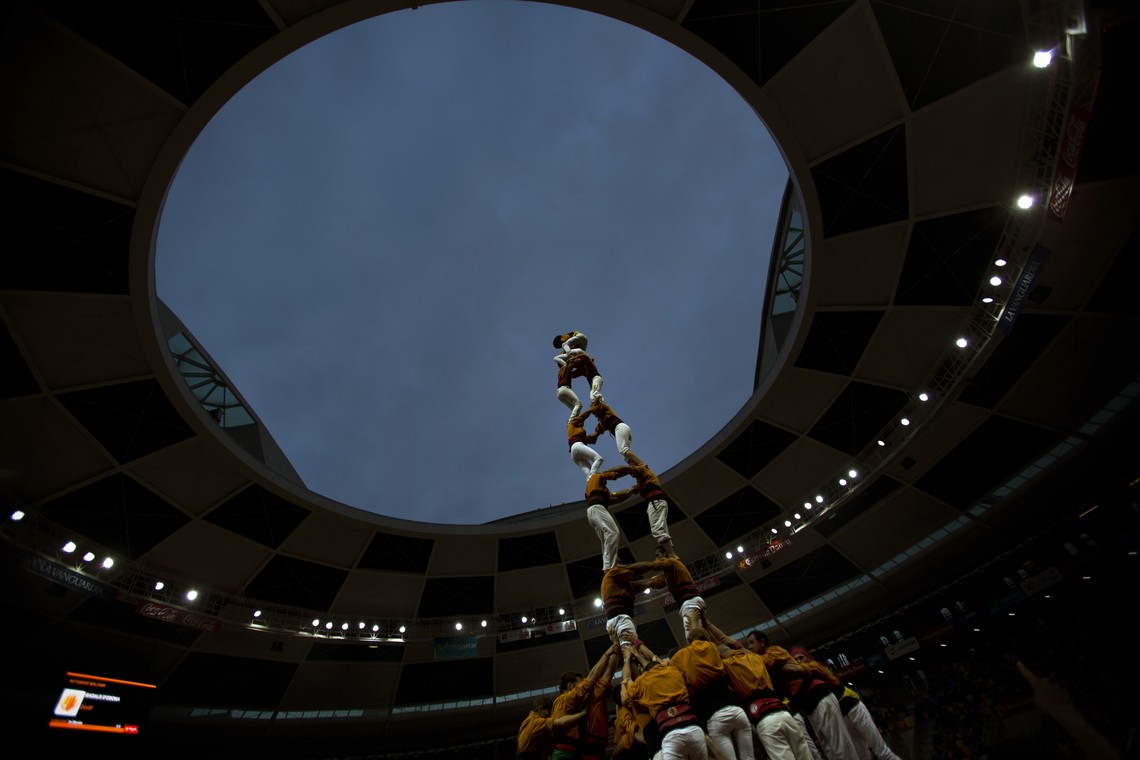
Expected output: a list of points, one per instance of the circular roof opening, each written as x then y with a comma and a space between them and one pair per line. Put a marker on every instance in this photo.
379, 237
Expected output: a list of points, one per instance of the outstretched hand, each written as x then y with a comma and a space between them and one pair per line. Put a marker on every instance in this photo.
1053, 699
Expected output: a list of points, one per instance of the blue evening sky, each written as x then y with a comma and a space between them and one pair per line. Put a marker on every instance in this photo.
378, 239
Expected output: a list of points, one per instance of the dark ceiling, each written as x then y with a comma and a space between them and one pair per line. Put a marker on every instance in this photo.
909, 128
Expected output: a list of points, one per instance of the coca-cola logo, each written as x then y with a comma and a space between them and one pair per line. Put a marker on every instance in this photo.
1060, 199
1075, 139
158, 611
199, 622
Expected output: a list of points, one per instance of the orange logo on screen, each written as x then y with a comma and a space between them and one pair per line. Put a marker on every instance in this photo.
69, 702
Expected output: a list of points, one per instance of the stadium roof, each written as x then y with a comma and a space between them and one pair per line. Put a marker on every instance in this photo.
910, 130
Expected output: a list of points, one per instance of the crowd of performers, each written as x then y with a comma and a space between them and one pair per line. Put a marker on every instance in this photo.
714, 698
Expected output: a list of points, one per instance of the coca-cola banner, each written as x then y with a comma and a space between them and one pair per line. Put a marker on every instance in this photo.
1068, 161
178, 617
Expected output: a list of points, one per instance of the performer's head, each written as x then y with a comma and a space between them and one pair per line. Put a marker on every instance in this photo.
569, 679
698, 633
757, 641
802, 655
574, 338
542, 706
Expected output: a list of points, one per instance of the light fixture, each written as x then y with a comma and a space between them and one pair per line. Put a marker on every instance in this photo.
807, 505
774, 531
344, 626
1025, 201
191, 595
1042, 58
881, 442
787, 523
797, 516
999, 262
375, 628
108, 563
818, 499
961, 343
740, 550
597, 602
987, 299
18, 515
561, 610
316, 622
524, 618
257, 613
904, 422
728, 555
328, 626
482, 623
69, 547
88, 556
852, 473
995, 281
843, 481
159, 585
459, 626
924, 396
403, 629
360, 625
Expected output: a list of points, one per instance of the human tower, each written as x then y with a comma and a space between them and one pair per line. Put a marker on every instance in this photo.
620, 583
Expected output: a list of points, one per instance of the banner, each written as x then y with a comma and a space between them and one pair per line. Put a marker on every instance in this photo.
70, 578
1068, 159
746, 562
456, 647
176, 616
1023, 287
906, 646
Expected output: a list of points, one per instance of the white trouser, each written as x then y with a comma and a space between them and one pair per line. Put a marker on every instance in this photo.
658, 510
866, 734
623, 437
696, 604
606, 527
807, 735
686, 743
588, 460
568, 397
831, 730
782, 737
731, 732
619, 625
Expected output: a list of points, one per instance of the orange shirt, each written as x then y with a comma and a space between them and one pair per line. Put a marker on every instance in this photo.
700, 662
655, 689
747, 673
535, 733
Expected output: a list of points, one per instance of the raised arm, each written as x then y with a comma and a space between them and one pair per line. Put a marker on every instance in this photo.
622, 495
626, 674
600, 666
1053, 700
720, 635
569, 718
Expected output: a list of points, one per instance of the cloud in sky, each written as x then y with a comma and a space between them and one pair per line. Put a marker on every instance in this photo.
379, 237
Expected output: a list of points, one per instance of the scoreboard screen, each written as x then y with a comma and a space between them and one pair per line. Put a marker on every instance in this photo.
98, 703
